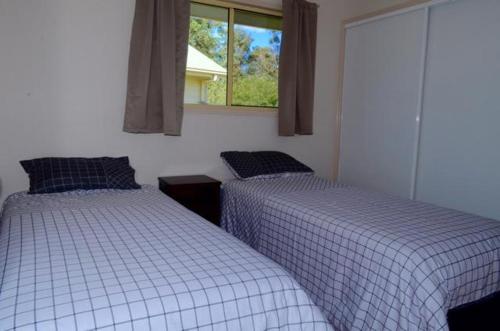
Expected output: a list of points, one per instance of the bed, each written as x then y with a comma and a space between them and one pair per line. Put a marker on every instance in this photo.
369, 260
136, 260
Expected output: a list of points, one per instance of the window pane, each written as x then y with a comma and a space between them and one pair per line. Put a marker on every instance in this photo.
257, 41
206, 70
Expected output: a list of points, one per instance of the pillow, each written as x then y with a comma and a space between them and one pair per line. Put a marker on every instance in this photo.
261, 165
51, 175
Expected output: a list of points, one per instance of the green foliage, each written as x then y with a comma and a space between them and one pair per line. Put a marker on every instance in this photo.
255, 91
242, 50
263, 62
210, 38
217, 92
255, 69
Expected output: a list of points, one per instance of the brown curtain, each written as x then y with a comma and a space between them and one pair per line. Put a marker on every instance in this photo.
297, 67
157, 65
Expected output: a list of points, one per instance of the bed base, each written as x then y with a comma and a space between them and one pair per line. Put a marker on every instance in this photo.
481, 315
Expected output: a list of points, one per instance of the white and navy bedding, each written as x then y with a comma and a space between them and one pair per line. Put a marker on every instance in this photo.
243, 202
369, 260
136, 260
59, 174
263, 164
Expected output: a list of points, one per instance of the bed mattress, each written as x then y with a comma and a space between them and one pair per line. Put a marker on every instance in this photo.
369, 260
136, 260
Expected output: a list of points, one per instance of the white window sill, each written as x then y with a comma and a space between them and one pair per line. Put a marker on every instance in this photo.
230, 110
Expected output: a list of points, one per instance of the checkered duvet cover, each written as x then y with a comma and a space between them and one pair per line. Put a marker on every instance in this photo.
136, 260
371, 261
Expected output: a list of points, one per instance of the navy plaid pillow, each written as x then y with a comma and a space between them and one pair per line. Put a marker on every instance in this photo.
243, 165
51, 175
267, 164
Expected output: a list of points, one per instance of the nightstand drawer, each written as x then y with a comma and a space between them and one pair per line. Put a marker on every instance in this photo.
190, 193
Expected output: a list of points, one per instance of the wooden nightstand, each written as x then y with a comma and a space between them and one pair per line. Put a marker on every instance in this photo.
200, 194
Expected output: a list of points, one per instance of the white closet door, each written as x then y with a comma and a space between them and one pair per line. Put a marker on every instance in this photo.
381, 95
459, 163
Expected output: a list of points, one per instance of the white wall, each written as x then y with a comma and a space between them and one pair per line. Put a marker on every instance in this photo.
63, 73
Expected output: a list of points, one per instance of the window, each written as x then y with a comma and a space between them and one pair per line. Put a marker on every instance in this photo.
233, 55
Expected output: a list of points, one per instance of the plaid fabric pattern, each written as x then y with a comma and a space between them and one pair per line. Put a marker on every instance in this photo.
243, 201
242, 164
266, 164
373, 261
136, 260
50, 175
119, 173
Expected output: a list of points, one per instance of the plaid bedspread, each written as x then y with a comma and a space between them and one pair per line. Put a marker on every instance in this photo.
370, 261
243, 202
136, 260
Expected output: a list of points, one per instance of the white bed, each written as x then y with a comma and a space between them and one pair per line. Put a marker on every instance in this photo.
136, 260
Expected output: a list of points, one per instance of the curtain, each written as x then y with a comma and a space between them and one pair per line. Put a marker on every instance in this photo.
297, 68
157, 65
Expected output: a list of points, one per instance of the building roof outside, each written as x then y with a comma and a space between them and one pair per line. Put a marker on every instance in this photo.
197, 62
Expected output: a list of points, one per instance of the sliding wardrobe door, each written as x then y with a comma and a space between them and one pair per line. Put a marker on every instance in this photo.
459, 162
383, 70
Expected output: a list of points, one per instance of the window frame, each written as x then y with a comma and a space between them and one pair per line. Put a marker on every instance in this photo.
228, 108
